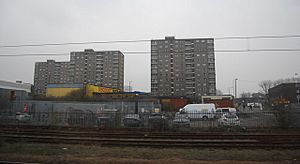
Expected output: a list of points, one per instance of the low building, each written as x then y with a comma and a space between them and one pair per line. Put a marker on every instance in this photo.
224, 101
285, 93
62, 90
13, 91
171, 104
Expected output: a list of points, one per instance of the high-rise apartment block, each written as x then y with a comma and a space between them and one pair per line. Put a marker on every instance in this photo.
101, 68
183, 67
49, 72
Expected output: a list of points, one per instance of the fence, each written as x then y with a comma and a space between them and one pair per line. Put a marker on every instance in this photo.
163, 121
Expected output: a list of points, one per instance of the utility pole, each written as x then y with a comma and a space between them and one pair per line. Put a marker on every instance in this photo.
235, 87
129, 86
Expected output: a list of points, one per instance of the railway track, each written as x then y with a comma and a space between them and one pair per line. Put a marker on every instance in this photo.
151, 139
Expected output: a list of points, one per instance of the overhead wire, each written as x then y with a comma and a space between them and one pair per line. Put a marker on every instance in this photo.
258, 37
148, 52
74, 43
148, 40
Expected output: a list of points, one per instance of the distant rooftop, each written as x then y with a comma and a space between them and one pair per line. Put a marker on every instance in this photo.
18, 85
92, 51
173, 38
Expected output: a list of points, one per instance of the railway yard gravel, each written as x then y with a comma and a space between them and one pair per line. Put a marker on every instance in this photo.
66, 153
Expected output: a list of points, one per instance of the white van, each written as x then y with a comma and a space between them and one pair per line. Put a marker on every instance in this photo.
199, 111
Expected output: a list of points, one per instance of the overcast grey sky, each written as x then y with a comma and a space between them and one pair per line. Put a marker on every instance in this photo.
56, 21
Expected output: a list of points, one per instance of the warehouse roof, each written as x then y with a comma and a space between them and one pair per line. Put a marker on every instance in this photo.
15, 85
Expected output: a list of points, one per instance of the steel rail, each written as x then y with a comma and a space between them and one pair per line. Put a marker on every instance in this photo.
224, 143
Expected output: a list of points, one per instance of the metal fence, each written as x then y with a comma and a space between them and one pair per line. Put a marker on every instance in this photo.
163, 121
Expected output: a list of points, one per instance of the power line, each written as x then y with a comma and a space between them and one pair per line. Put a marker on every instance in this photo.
248, 81
261, 50
148, 40
147, 52
73, 43
258, 37
35, 54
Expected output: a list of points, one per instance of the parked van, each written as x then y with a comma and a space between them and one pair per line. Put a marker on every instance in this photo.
199, 111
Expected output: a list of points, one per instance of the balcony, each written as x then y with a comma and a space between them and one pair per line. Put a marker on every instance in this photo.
188, 43
154, 81
211, 67
189, 61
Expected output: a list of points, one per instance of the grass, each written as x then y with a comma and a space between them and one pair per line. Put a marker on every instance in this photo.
61, 153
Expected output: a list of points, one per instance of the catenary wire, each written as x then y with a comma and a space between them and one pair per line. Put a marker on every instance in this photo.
147, 52
148, 40
73, 43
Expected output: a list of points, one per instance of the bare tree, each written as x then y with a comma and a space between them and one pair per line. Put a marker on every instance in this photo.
277, 82
245, 95
287, 80
265, 86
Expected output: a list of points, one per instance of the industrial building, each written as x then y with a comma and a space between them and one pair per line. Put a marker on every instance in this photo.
101, 68
285, 93
87, 90
11, 92
62, 90
183, 67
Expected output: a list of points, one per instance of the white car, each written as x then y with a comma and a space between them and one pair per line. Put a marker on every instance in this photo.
132, 120
221, 111
229, 120
181, 120
22, 117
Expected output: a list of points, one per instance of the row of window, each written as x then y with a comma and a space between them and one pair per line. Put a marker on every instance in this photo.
189, 41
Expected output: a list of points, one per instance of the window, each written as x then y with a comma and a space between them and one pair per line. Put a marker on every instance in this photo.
209, 41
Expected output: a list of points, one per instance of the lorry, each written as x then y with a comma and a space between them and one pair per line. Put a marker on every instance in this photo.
199, 111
